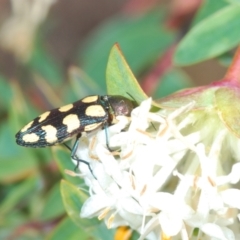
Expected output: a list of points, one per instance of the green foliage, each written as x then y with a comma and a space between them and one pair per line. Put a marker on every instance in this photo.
142, 39
6, 93
207, 9
62, 155
33, 203
81, 84
172, 81
42, 62
67, 230
120, 79
73, 199
210, 37
53, 206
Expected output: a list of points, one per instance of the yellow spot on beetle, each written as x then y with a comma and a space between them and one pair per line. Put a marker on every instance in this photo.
27, 127
72, 122
90, 99
51, 133
30, 137
95, 111
43, 116
65, 108
91, 127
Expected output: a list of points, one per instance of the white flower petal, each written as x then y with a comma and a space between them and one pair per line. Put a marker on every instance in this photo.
169, 203
228, 233
231, 197
133, 220
103, 179
196, 220
234, 175
162, 201
153, 224
116, 221
94, 204
131, 206
218, 232
139, 116
171, 224
110, 165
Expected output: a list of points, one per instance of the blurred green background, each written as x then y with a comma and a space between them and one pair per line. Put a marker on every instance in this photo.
55, 52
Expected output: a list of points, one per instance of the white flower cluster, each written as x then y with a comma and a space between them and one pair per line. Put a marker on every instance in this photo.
162, 181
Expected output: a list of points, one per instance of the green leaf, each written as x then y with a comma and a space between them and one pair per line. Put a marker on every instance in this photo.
208, 8
143, 39
48, 91
225, 59
73, 199
81, 84
6, 93
64, 162
10, 222
211, 37
135, 235
234, 1
172, 81
17, 194
120, 79
53, 206
43, 64
68, 230
15, 162
7, 139
18, 168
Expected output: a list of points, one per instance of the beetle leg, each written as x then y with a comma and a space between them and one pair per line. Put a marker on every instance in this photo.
105, 126
74, 157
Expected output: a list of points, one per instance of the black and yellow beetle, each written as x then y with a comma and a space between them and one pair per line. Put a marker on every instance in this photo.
61, 124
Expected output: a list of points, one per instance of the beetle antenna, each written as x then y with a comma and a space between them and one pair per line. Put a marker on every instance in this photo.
130, 95
134, 100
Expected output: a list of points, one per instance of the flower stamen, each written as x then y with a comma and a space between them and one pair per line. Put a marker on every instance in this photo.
111, 219
103, 214
127, 155
143, 190
213, 184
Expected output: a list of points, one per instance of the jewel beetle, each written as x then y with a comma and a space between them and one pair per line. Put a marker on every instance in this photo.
61, 124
